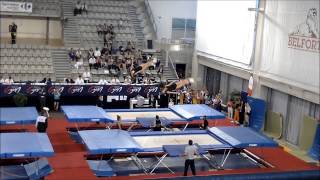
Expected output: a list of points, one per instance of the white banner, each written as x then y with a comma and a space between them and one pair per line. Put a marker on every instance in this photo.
9, 6
291, 39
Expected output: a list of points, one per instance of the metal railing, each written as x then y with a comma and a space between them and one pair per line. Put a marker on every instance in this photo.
151, 17
172, 65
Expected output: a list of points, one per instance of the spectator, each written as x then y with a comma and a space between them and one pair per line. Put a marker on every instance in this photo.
97, 53
2, 80
9, 81
13, 30
44, 80
120, 24
171, 103
241, 112
92, 62
78, 64
78, 55
72, 54
90, 53
77, 9
84, 8
230, 109
79, 80
56, 99
49, 82
86, 75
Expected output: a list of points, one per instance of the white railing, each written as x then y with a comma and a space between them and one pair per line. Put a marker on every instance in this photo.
151, 16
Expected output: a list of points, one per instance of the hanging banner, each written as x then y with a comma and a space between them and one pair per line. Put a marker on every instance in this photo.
9, 6
291, 43
79, 90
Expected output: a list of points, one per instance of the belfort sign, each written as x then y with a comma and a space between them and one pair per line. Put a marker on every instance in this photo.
306, 35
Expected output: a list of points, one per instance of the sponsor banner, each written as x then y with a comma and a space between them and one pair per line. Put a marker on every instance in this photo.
80, 90
9, 6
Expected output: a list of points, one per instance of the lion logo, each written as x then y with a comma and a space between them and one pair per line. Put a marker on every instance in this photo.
310, 27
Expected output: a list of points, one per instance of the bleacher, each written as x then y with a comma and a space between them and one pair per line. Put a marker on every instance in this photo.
26, 62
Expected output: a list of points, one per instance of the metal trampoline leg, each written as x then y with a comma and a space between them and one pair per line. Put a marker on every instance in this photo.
165, 165
185, 127
158, 163
224, 161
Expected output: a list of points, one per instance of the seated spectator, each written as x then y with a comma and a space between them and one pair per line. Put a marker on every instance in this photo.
86, 75
103, 82
72, 54
9, 81
2, 80
115, 80
44, 80
90, 53
84, 8
77, 9
120, 24
79, 80
78, 64
97, 53
78, 54
92, 62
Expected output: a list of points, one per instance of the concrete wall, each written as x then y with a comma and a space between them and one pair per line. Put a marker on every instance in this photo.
164, 11
31, 28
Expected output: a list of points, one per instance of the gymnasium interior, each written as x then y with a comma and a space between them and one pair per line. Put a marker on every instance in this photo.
159, 89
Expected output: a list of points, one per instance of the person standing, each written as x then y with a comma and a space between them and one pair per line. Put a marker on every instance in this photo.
13, 30
190, 151
230, 109
157, 124
242, 113
205, 122
56, 99
42, 123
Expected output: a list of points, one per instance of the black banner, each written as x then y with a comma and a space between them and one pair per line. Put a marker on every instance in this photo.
79, 90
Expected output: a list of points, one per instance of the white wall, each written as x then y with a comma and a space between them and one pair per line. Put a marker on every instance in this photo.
31, 28
164, 11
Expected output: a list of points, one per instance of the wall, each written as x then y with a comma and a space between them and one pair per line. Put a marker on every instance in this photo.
164, 11
31, 28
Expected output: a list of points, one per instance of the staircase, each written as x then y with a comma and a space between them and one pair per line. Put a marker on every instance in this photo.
61, 63
137, 27
168, 72
70, 28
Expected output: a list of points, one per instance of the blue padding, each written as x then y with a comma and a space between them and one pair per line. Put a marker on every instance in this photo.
13, 172
24, 145
178, 150
197, 111
258, 113
314, 151
85, 114
101, 168
109, 141
242, 137
18, 115
38, 169
138, 110
149, 122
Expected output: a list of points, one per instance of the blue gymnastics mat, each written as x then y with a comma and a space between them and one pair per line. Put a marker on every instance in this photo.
18, 115
85, 114
196, 112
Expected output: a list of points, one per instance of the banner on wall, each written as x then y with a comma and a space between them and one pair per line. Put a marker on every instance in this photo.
9, 6
80, 90
291, 43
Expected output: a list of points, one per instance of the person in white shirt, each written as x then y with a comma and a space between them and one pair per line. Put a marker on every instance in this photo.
79, 80
2, 80
92, 62
97, 53
86, 76
102, 81
190, 151
78, 64
171, 103
9, 81
41, 123
247, 114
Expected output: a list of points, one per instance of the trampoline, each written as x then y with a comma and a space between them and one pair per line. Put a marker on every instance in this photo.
178, 113
25, 146
170, 144
18, 115
85, 114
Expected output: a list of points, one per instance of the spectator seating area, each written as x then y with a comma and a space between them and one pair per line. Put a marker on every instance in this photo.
26, 62
105, 12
